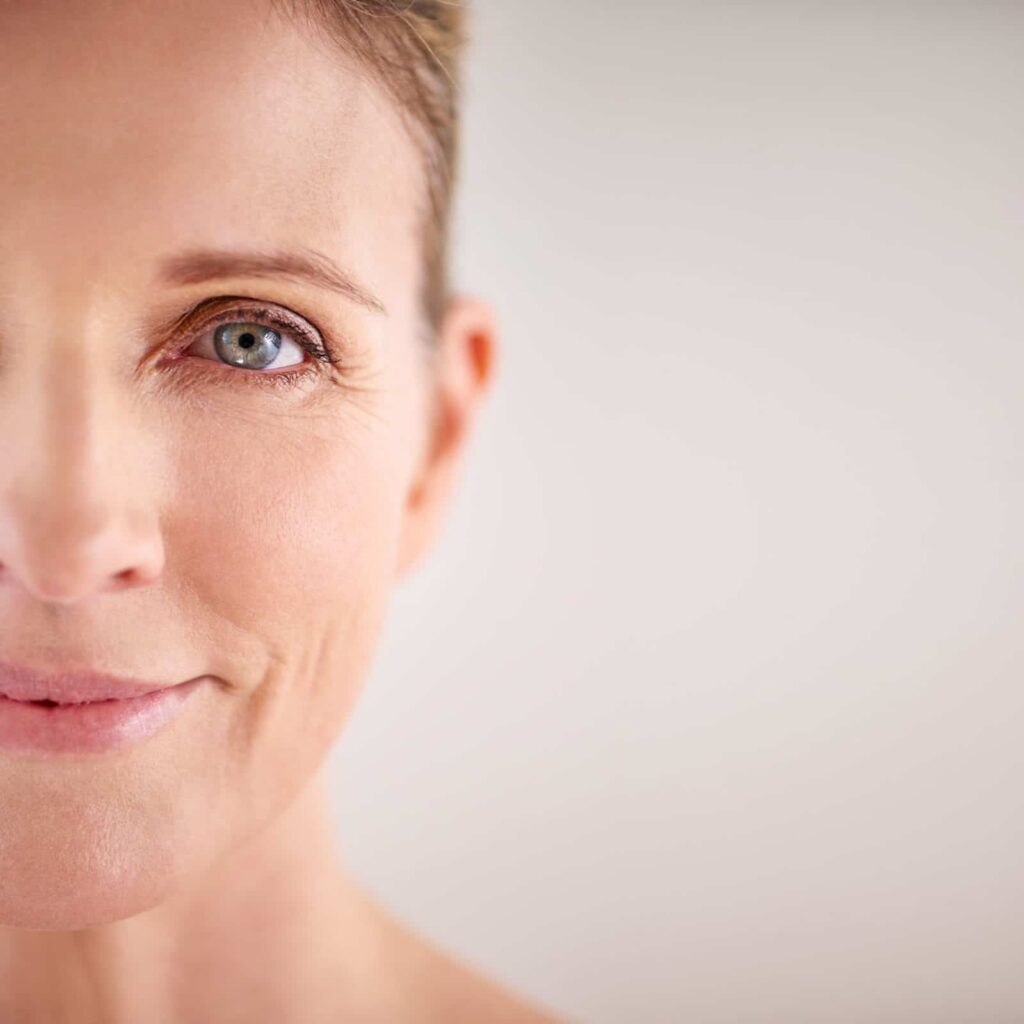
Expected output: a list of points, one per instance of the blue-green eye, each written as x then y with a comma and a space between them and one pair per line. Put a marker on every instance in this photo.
249, 345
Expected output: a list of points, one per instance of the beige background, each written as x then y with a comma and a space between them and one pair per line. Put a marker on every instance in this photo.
709, 706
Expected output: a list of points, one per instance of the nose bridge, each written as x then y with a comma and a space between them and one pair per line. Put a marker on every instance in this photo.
76, 517
73, 458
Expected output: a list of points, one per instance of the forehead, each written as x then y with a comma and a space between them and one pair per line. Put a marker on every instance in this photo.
132, 126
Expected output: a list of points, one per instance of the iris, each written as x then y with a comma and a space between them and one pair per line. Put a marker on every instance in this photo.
253, 346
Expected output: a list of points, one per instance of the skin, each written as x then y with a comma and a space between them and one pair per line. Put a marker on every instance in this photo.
164, 516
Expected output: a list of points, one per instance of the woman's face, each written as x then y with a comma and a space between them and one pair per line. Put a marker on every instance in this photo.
165, 512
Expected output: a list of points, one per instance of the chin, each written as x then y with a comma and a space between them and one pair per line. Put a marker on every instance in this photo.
73, 857
69, 903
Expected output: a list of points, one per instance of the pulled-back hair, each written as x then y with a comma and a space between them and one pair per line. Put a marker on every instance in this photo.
413, 49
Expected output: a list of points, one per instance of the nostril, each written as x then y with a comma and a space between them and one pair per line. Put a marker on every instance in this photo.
68, 576
126, 578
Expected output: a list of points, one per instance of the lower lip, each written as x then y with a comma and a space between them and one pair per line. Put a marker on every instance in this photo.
90, 728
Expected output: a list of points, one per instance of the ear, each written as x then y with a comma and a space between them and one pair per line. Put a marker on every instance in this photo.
459, 376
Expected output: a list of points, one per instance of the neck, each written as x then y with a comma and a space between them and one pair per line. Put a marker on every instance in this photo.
274, 932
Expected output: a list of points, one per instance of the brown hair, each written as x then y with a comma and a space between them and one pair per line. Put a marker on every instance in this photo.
413, 49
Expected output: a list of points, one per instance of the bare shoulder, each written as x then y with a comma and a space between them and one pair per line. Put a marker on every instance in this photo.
458, 993
429, 985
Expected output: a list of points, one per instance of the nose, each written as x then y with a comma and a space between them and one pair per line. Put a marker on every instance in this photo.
75, 520
65, 555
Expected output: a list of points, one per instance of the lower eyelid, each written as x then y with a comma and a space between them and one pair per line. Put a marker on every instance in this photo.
222, 374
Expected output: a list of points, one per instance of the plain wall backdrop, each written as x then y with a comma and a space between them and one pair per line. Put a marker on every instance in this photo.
708, 706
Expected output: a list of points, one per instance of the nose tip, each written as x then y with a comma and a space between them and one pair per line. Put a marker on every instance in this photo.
63, 564
71, 587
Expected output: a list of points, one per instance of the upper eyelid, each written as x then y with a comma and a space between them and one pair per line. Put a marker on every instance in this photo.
244, 307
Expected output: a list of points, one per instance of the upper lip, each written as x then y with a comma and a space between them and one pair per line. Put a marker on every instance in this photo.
20, 682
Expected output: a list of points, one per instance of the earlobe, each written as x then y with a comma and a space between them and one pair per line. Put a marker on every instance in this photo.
462, 372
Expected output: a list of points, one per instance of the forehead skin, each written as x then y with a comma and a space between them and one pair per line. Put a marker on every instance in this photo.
134, 127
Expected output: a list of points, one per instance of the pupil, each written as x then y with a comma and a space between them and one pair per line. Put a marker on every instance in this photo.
247, 340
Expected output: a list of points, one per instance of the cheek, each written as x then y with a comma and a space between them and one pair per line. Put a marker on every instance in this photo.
285, 539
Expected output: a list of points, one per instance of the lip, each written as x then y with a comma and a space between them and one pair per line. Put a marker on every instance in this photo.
82, 711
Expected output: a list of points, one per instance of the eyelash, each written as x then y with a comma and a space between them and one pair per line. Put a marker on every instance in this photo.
305, 337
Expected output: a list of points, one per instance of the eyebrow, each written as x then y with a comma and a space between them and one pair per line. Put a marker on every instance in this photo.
197, 266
